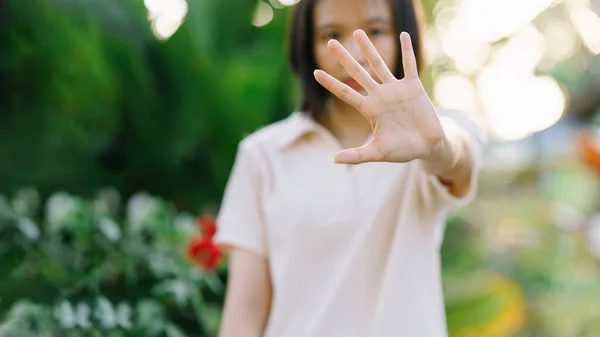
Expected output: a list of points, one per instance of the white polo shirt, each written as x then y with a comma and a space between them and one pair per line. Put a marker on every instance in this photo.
353, 250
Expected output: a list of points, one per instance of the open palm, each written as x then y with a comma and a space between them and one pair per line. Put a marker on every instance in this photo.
404, 122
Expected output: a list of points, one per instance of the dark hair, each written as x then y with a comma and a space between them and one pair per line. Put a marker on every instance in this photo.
407, 16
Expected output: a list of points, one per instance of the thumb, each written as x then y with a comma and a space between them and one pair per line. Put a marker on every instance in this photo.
366, 153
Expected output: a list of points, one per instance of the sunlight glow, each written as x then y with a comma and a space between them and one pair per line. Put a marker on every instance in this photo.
498, 44
166, 16
518, 103
431, 45
276, 4
587, 24
561, 41
455, 91
523, 51
477, 23
485, 21
289, 2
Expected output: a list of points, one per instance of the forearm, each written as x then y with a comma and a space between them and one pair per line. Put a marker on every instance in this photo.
247, 322
248, 296
451, 160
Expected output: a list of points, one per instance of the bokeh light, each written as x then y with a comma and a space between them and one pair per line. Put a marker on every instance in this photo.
587, 24
166, 16
495, 52
455, 91
289, 2
263, 14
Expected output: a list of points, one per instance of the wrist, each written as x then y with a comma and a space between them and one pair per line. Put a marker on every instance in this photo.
446, 153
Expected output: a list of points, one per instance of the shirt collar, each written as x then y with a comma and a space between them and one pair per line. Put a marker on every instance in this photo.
298, 126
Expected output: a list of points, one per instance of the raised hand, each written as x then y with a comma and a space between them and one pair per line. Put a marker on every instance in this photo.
404, 122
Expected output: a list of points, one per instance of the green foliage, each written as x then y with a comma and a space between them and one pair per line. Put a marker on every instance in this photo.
90, 98
82, 266
93, 99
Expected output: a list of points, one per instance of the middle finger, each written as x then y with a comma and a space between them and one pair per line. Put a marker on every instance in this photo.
352, 66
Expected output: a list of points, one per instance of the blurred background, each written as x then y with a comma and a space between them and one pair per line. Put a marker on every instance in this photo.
119, 123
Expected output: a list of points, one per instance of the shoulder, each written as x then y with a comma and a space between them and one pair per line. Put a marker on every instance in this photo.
267, 135
259, 150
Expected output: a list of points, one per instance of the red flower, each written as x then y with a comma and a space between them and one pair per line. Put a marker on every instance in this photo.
204, 252
207, 225
588, 150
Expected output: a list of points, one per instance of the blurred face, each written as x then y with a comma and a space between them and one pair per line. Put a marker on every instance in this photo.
338, 19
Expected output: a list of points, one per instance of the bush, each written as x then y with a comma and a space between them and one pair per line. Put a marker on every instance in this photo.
91, 267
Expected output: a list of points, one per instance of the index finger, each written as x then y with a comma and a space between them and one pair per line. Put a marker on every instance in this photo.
339, 89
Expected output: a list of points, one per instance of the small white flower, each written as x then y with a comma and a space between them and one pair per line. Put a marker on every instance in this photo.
111, 317
173, 331
27, 201
176, 288
82, 314
185, 224
180, 291
139, 209
124, 312
65, 314
59, 206
149, 312
19, 206
28, 228
196, 274
110, 229
105, 314
107, 202
162, 265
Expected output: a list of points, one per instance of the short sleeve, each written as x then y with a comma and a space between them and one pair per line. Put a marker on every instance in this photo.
240, 221
477, 140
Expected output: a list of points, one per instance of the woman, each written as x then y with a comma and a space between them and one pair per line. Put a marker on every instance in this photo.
322, 249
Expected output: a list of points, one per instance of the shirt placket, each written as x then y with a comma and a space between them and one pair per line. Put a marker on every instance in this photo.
350, 171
